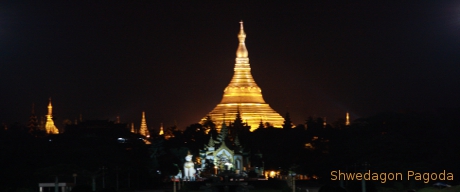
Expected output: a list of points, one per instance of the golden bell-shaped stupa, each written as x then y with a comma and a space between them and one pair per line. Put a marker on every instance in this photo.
49, 126
243, 95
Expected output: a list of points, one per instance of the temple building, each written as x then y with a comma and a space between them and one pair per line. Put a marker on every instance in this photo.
228, 150
50, 127
220, 155
243, 95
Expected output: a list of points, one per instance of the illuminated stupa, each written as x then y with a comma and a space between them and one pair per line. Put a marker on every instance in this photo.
243, 95
50, 127
161, 130
144, 130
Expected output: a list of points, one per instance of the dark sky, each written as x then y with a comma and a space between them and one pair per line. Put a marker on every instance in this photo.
173, 59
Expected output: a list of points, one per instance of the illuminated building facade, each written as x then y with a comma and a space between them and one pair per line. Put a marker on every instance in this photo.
243, 95
221, 156
50, 127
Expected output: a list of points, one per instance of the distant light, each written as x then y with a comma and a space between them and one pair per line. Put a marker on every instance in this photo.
50, 140
122, 140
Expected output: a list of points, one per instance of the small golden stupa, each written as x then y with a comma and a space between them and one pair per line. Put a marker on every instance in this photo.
49, 126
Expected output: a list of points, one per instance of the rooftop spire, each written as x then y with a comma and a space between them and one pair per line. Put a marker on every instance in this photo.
132, 128
50, 109
241, 52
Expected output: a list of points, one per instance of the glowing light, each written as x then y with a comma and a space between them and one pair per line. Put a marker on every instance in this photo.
121, 140
347, 117
271, 174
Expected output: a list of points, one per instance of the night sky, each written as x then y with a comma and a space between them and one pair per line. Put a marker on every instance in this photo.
173, 59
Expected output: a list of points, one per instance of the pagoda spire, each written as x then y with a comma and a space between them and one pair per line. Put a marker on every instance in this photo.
50, 109
347, 119
241, 52
144, 130
132, 128
161, 129
50, 127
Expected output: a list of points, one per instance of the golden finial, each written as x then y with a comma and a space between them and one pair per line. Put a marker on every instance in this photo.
50, 108
161, 129
347, 119
241, 52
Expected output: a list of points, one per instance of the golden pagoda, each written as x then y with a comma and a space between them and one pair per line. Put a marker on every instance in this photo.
132, 128
243, 95
161, 129
144, 130
50, 127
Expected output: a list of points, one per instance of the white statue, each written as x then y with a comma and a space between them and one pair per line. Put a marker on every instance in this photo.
189, 168
178, 176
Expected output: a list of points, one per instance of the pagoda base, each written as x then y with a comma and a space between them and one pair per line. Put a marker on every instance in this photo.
251, 113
